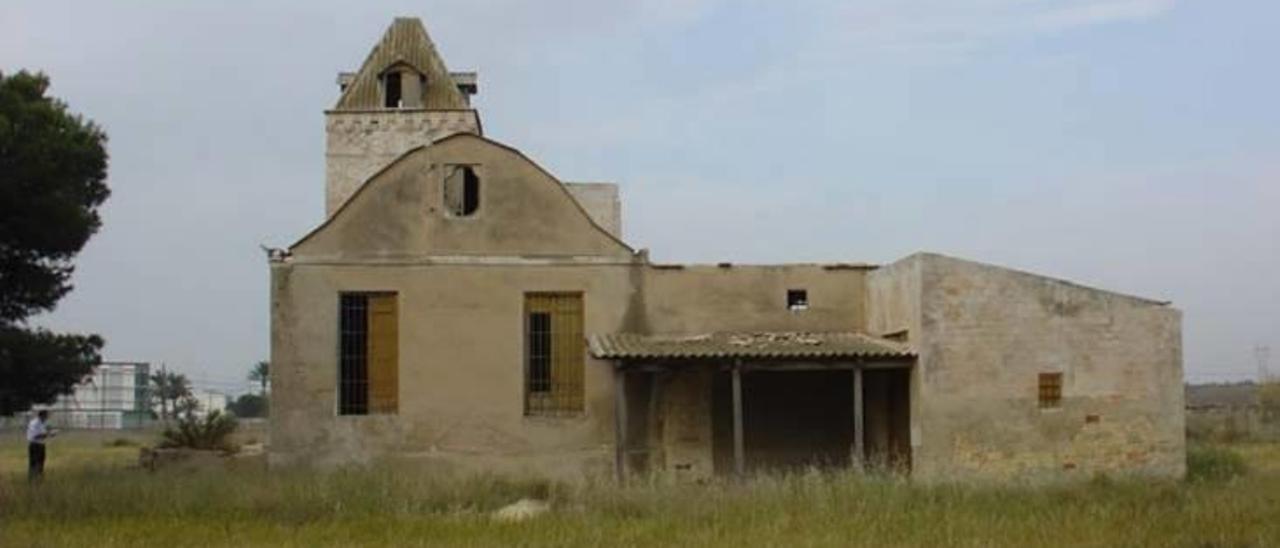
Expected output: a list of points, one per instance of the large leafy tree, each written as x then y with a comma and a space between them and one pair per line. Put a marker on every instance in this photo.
53, 169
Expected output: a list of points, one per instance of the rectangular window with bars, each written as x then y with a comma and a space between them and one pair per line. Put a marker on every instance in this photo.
555, 353
368, 353
1050, 390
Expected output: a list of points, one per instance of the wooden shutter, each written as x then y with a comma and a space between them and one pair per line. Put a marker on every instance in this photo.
567, 354
384, 353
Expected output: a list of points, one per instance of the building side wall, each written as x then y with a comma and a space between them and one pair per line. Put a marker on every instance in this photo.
893, 294
360, 143
987, 333
601, 202
461, 369
705, 299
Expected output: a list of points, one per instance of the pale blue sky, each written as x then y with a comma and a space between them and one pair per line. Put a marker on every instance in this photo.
1132, 145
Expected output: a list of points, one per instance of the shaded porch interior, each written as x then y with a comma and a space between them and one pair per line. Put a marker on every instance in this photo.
791, 419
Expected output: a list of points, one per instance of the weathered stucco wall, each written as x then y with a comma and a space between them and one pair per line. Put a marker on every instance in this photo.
703, 299
683, 433
523, 211
461, 368
359, 143
602, 204
986, 335
893, 295
460, 284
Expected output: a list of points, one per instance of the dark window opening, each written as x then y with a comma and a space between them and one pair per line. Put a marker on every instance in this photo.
461, 191
391, 90
353, 374
1050, 390
539, 352
368, 354
797, 299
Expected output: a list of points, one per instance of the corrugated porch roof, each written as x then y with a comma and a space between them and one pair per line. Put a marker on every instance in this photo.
745, 345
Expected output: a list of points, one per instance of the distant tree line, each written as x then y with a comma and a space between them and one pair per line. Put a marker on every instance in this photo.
171, 392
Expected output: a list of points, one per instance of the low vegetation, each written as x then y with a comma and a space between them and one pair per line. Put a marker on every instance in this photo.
1214, 463
192, 431
106, 503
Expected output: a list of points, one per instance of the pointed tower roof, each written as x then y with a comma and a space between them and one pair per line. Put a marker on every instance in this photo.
405, 42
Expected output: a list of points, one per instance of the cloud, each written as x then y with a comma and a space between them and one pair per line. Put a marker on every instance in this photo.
1099, 12
946, 25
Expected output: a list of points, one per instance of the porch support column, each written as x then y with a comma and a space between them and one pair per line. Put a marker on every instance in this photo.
739, 451
620, 421
859, 426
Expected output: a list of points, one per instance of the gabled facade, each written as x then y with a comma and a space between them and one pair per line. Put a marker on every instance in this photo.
462, 306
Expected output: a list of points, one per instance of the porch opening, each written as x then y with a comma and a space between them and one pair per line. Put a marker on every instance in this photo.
791, 420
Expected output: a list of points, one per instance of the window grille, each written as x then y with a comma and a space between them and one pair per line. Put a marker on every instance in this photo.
1050, 390
368, 354
554, 353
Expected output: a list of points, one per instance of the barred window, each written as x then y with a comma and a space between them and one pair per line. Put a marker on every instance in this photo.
554, 353
1050, 390
368, 353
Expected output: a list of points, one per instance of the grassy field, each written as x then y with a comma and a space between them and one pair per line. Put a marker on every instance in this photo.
92, 497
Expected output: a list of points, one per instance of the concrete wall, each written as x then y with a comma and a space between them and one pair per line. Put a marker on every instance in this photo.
400, 213
601, 202
461, 368
703, 299
359, 143
988, 332
893, 295
684, 427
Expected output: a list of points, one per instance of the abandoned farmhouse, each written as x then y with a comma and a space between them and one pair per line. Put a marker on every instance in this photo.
461, 305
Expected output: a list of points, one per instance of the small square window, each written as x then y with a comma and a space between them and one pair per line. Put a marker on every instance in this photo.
797, 299
1050, 390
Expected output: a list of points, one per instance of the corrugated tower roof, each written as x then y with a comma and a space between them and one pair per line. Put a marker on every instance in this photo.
751, 345
406, 41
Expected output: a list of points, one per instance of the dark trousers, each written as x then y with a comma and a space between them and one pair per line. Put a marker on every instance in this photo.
35, 461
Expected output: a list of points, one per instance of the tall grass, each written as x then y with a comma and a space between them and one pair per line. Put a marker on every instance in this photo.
401, 506
1214, 463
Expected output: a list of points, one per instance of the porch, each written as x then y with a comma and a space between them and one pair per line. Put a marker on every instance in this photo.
738, 403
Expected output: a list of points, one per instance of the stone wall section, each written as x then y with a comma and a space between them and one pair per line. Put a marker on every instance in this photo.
359, 144
988, 333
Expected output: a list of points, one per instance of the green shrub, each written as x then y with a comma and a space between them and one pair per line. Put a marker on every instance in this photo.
213, 431
1214, 464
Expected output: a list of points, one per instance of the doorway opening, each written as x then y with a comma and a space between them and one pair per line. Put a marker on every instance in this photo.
887, 418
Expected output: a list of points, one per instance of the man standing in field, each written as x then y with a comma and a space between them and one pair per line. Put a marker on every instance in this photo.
37, 435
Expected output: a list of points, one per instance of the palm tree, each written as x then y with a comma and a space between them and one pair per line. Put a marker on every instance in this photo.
261, 372
169, 387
